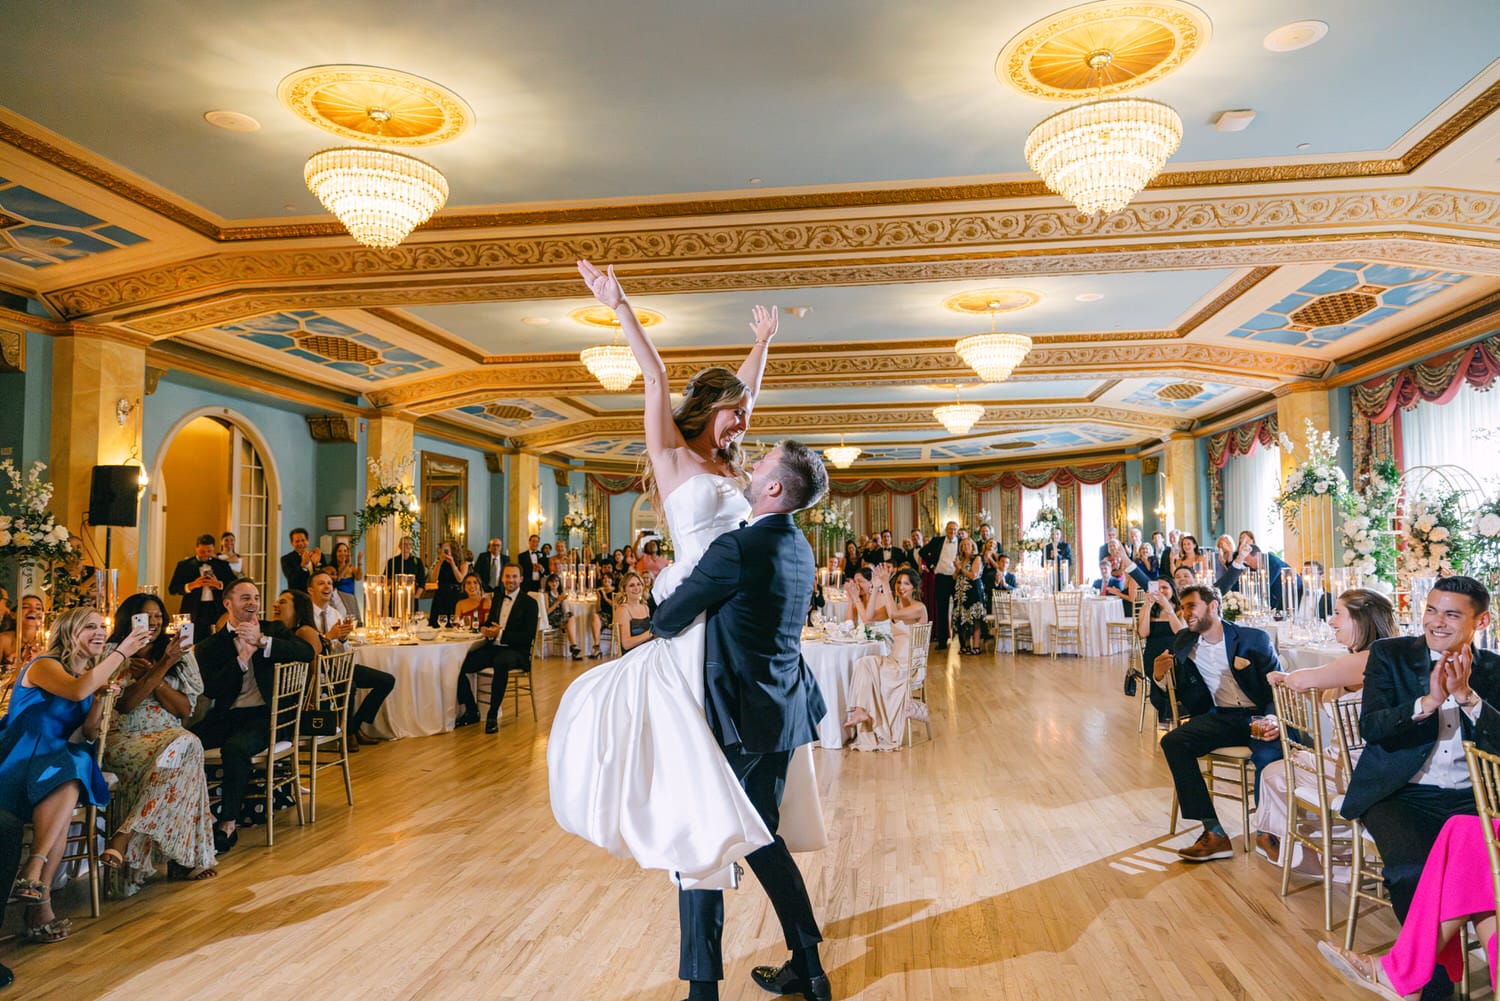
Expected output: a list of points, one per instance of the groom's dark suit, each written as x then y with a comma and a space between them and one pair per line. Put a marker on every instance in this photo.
761, 702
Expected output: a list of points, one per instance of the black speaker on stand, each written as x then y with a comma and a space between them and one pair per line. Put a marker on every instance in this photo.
113, 501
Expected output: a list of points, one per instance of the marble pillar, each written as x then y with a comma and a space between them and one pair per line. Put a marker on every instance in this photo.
389, 441
1315, 536
1183, 473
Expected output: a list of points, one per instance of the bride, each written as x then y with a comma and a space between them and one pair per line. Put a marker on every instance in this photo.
632, 764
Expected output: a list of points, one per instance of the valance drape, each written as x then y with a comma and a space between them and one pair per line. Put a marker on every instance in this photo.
971, 486
1038, 478
616, 484
1436, 380
852, 488
1236, 441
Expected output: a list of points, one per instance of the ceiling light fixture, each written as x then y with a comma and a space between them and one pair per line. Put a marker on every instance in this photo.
1099, 155
958, 417
843, 456
612, 364
993, 355
380, 196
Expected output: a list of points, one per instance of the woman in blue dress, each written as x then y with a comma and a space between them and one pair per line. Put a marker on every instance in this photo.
44, 777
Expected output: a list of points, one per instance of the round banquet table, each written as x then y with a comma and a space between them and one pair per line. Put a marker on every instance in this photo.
583, 618
832, 664
425, 699
1296, 658
1094, 616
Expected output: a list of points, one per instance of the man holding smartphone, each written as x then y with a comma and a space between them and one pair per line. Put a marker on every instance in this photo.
200, 579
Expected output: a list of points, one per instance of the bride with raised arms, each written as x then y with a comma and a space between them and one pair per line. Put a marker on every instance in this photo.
632, 764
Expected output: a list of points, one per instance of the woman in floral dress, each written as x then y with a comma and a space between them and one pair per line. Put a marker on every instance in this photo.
163, 793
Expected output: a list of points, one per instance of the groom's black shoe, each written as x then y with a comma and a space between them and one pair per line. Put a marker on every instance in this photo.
785, 980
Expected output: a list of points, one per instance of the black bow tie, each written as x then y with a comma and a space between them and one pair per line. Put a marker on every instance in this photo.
744, 524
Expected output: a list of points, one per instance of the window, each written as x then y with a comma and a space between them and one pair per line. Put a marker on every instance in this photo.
1462, 432
1251, 482
1090, 529
1032, 501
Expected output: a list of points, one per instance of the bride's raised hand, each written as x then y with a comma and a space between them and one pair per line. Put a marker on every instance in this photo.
763, 323
604, 284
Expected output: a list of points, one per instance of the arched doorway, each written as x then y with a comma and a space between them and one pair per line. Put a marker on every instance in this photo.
642, 518
213, 474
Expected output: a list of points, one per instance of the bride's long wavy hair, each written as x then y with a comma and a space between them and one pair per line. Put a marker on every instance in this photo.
706, 393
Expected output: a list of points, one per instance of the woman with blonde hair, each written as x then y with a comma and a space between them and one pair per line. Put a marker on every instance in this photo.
612, 779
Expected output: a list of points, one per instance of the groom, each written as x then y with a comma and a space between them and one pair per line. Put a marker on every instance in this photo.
761, 702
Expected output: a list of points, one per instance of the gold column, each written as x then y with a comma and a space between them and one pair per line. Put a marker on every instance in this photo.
91, 374
389, 441
1313, 540
1183, 477
521, 491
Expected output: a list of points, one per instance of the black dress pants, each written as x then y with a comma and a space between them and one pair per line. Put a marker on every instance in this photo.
379, 684
1206, 732
504, 660
1405, 826
940, 624
240, 735
701, 912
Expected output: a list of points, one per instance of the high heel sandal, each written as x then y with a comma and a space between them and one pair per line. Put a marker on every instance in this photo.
45, 934
30, 891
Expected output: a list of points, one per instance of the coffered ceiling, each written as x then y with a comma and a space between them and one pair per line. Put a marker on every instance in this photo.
888, 177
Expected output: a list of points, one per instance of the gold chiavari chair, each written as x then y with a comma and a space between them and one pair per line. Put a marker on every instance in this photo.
1226, 770
330, 691
288, 687
1067, 611
1008, 626
1124, 635
485, 686
1484, 773
1366, 875
84, 845
916, 684
1308, 793
545, 634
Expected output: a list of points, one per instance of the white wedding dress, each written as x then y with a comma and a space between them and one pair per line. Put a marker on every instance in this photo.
632, 764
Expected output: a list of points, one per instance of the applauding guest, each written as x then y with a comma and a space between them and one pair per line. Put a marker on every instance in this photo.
334, 619
42, 775
297, 566
200, 579
163, 793
969, 598
345, 571
879, 694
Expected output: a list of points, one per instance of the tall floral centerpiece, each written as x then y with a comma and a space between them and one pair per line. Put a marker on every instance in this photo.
1314, 489
827, 527
578, 520
1365, 535
31, 539
1039, 532
390, 509
1484, 543
1434, 535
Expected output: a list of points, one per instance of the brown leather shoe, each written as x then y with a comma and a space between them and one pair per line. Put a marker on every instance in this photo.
1268, 846
1209, 846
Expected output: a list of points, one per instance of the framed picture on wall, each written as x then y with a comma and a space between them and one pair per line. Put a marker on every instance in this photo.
337, 523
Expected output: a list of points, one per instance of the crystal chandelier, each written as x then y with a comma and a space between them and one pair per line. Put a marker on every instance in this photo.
842, 456
1099, 155
958, 417
378, 195
612, 364
993, 355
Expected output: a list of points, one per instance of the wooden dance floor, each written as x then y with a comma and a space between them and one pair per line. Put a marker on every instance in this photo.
1020, 854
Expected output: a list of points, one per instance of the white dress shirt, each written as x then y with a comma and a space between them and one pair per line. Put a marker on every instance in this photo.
506, 604
947, 558
1446, 767
1213, 664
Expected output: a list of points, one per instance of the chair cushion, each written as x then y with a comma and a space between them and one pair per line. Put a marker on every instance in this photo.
1230, 752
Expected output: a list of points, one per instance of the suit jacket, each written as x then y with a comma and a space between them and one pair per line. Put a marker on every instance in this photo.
876, 555
520, 628
482, 567
1005, 581
532, 570
220, 666
295, 573
412, 565
204, 613
1396, 746
1254, 645
1065, 552
755, 585
1229, 580
933, 549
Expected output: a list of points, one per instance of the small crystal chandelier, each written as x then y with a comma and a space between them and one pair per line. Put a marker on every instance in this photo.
958, 417
1099, 155
842, 456
993, 355
378, 195
612, 364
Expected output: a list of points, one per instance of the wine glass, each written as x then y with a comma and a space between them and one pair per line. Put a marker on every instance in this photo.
443, 621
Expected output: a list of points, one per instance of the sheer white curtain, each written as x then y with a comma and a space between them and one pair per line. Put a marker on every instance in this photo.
1090, 528
1032, 501
1251, 483
903, 515
1464, 432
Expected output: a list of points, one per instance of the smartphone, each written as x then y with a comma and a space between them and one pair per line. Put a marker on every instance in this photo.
185, 634
139, 621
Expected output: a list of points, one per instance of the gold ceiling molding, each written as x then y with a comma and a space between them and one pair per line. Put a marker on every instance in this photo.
461, 270
1148, 41
375, 105
428, 332
12, 351
1244, 284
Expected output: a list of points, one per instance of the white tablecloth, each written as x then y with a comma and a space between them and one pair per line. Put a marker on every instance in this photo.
1295, 658
425, 699
831, 664
1094, 615
583, 623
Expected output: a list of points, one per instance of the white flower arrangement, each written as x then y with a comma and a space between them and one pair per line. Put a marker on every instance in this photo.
28, 531
1232, 605
394, 496
1435, 536
834, 523
1316, 476
1368, 545
1039, 532
577, 517
1484, 548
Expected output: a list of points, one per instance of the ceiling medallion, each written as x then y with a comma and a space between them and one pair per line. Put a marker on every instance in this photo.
958, 417
604, 317
1048, 59
842, 456
1179, 391
508, 412
991, 300
379, 195
375, 105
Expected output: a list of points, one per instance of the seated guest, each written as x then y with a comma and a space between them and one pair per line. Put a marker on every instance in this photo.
231, 558
162, 792
334, 619
200, 579
1108, 582
1224, 552
475, 604
1360, 617
489, 564
510, 630
297, 566
1157, 625
604, 614
884, 550
27, 640
1220, 673
1183, 578
237, 664
1249, 557
293, 609
405, 562
631, 607
43, 777
857, 588
1449, 893
879, 689
555, 602
1423, 695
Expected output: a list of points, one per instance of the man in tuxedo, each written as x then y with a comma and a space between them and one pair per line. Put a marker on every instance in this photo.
1060, 552
405, 561
761, 702
238, 674
297, 566
1249, 557
200, 579
941, 554
533, 565
1423, 697
884, 551
510, 629
1004, 579
1220, 671
334, 617
489, 564
1110, 535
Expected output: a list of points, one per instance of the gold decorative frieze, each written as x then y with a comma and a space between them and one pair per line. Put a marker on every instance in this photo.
12, 350
332, 428
153, 378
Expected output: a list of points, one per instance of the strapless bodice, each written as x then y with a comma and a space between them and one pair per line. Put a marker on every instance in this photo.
702, 508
